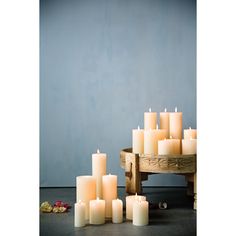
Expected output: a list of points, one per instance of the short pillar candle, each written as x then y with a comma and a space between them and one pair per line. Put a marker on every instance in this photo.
190, 133
117, 211
189, 146
150, 119
97, 212
140, 213
79, 214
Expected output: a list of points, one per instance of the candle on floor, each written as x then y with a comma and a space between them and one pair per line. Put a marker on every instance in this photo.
129, 204
97, 212
79, 214
169, 147
189, 146
117, 211
190, 133
175, 121
109, 189
164, 121
85, 191
140, 212
98, 170
138, 141
150, 120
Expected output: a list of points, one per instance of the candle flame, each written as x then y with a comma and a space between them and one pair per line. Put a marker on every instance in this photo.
190, 128
165, 110
98, 151
109, 173
170, 137
150, 110
175, 109
138, 127
97, 198
157, 126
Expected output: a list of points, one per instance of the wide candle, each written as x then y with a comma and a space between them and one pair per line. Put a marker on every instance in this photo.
85, 191
175, 124
150, 119
164, 121
169, 147
138, 141
189, 146
190, 133
97, 212
109, 189
117, 211
99, 169
140, 213
79, 214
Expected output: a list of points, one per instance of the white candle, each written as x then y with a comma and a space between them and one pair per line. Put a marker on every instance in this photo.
169, 147
140, 213
190, 133
97, 212
129, 204
189, 146
138, 141
150, 120
85, 191
79, 220
109, 189
164, 121
117, 211
175, 120
99, 169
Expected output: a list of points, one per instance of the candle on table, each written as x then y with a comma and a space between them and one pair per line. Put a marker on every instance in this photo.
190, 133
150, 120
97, 212
169, 147
140, 212
79, 220
175, 121
109, 189
138, 141
98, 170
85, 191
189, 146
129, 204
117, 211
164, 121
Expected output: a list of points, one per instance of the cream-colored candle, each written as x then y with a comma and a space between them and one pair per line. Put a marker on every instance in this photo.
97, 212
168, 147
190, 133
99, 169
175, 119
189, 146
150, 120
164, 121
117, 211
79, 220
129, 204
109, 189
140, 213
85, 191
138, 141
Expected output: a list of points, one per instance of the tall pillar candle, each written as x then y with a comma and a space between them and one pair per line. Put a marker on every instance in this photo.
150, 120
189, 146
140, 213
175, 120
97, 212
79, 214
109, 189
164, 121
129, 204
190, 133
98, 170
117, 211
138, 141
85, 191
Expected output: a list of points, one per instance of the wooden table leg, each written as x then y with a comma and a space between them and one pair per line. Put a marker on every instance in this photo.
195, 191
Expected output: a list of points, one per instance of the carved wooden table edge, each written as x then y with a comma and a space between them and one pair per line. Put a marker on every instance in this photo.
138, 167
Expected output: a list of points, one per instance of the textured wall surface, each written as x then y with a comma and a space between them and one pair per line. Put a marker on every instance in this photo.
102, 64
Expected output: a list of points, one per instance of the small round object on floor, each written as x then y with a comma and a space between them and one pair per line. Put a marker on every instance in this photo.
162, 205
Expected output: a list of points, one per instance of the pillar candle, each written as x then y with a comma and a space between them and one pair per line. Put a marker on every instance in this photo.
117, 211
129, 204
169, 147
190, 133
79, 220
164, 121
150, 120
138, 141
140, 213
189, 146
175, 121
97, 212
85, 191
99, 169
109, 189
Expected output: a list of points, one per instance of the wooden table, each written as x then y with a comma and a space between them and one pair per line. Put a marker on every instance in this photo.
138, 167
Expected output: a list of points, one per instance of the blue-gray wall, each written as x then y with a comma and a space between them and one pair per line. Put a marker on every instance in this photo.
102, 64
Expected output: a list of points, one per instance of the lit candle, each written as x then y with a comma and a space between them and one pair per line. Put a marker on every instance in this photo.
85, 191
150, 120
175, 121
129, 204
79, 220
169, 147
97, 212
138, 141
117, 211
140, 213
164, 121
189, 146
109, 189
99, 169
190, 133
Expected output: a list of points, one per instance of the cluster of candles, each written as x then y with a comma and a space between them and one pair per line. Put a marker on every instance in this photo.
164, 141
96, 198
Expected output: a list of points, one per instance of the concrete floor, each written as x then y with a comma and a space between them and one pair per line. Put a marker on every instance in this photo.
179, 219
